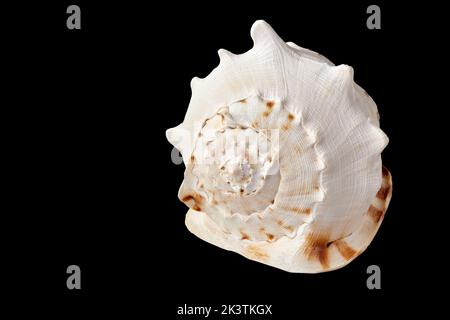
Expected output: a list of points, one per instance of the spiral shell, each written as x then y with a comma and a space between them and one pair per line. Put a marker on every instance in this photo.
283, 158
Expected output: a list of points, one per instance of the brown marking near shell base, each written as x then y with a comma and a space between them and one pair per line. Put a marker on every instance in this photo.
383, 193
187, 198
257, 253
197, 199
344, 249
375, 213
384, 172
270, 104
270, 236
315, 248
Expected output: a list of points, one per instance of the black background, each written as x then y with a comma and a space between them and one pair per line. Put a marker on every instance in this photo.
95, 186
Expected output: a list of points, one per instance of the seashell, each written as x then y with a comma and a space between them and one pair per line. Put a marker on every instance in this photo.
283, 158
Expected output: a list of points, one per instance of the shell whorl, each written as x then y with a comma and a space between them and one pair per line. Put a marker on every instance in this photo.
282, 152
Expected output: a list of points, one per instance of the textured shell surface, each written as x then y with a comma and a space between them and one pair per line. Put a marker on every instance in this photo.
283, 158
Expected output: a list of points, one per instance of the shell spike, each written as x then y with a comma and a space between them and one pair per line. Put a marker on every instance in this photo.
195, 82
225, 55
344, 72
343, 78
263, 34
179, 137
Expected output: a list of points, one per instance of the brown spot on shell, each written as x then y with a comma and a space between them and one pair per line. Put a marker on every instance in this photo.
270, 236
344, 249
316, 248
187, 198
288, 228
291, 117
375, 213
385, 189
303, 210
244, 236
266, 114
285, 127
257, 253
243, 101
270, 104
192, 158
298, 210
196, 199
382, 194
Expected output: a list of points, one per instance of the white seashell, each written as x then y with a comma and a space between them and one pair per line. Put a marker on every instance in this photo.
282, 152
